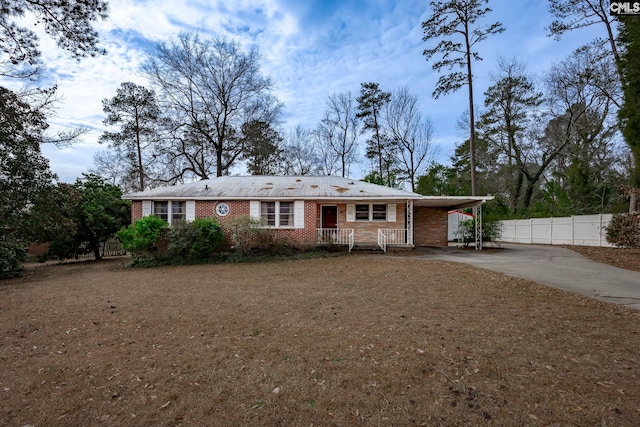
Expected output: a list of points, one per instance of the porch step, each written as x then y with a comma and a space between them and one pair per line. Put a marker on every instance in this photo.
366, 248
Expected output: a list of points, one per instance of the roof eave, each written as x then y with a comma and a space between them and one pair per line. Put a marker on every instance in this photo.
453, 202
322, 198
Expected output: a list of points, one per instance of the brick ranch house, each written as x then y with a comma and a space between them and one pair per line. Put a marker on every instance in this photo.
310, 210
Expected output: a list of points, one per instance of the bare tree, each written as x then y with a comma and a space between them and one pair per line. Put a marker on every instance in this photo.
184, 155
510, 106
571, 15
575, 14
300, 155
325, 140
47, 101
113, 166
341, 117
579, 113
410, 133
210, 88
455, 19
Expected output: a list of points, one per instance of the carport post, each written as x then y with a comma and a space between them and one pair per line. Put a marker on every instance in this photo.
477, 215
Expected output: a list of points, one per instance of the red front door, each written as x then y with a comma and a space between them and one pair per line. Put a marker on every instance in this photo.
329, 216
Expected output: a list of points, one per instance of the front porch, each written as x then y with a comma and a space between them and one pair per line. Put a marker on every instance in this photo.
386, 237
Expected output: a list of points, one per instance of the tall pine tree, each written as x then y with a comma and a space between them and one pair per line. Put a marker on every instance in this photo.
630, 112
453, 22
370, 103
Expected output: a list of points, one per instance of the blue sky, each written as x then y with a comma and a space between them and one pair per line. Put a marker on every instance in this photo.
309, 48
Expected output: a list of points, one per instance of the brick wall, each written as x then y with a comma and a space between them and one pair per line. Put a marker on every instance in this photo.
206, 209
136, 210
38, 248
298, 237
430, 226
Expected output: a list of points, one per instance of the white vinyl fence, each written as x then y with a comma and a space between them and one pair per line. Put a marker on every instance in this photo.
583, 230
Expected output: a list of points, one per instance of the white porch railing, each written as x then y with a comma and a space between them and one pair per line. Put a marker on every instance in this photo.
335, 236
389, 236
382, 240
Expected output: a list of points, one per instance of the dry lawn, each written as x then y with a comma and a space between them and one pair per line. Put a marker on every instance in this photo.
353, 340
626, 258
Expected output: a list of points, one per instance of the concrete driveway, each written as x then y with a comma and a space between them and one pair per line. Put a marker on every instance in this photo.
558, 267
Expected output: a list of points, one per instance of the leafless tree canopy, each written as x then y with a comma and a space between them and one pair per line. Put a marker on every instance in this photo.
411, 135
339, 131
301, 153
210, 88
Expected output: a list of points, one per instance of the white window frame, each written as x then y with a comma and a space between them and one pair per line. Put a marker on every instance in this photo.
277, 215
170, 214
370, 212
296, 213
389, 212
290, 215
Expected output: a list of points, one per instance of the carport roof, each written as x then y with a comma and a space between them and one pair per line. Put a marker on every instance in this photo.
452, 202
322, 188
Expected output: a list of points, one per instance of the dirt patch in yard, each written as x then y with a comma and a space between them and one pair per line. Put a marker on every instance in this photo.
352, 340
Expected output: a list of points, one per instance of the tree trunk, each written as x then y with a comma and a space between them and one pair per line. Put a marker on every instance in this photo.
219, 161
472, 128
139, 148
634, 188
95, 248
633, 203
380, 166
516, 192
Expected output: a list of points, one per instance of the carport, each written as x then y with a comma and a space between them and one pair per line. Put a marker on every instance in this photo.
430, 215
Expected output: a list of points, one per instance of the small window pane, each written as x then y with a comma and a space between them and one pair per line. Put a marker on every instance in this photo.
161, 210
379, 212
268, 214
362, 212
178, 211
286, 214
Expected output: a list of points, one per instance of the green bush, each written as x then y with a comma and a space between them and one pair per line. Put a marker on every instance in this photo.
195, 241
65, 247
142, 237
624, 230
491, 231
12, 253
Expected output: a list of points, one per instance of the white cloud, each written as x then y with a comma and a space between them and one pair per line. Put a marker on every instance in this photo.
309, 48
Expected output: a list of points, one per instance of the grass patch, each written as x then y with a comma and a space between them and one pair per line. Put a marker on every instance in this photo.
327, 341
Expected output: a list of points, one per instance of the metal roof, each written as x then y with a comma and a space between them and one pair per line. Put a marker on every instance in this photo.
306, 187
